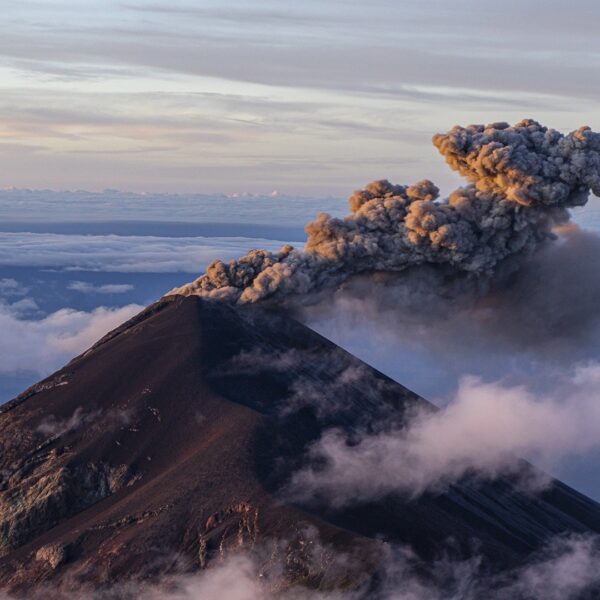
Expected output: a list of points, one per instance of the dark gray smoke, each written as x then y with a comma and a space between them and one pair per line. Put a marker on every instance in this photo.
522, 181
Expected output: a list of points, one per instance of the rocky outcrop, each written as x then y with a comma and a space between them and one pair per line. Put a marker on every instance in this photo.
37, 497
233, 527
52, 554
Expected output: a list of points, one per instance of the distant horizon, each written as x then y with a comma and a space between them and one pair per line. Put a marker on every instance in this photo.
132, 192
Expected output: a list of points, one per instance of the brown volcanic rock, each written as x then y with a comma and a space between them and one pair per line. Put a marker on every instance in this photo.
163, 446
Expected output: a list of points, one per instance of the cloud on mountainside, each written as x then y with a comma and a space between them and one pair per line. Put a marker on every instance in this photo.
482, 431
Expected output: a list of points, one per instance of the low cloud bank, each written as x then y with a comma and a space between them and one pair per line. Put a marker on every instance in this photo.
120, 253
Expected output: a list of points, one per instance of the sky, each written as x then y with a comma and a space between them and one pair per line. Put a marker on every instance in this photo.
311, 98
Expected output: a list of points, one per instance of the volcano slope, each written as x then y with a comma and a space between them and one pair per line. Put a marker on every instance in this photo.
164, 446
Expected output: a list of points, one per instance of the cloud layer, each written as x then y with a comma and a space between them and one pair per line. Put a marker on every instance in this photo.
113, 253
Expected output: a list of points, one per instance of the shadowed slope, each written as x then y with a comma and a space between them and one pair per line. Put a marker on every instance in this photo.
165, 444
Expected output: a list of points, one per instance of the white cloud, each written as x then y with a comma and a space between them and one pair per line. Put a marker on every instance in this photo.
25, 307
482, 431
109, 288
44, 345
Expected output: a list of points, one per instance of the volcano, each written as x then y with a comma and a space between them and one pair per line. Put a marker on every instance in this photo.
167, 444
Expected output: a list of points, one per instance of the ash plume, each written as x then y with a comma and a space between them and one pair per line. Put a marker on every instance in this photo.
522, 181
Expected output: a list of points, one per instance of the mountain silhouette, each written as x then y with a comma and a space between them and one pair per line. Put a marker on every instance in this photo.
169, 442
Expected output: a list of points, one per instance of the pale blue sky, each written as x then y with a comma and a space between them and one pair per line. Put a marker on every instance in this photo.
311, 98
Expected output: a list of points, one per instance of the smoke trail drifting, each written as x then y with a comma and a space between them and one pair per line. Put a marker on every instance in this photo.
522, 181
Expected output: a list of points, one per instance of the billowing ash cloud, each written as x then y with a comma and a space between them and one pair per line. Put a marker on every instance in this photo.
522, 179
